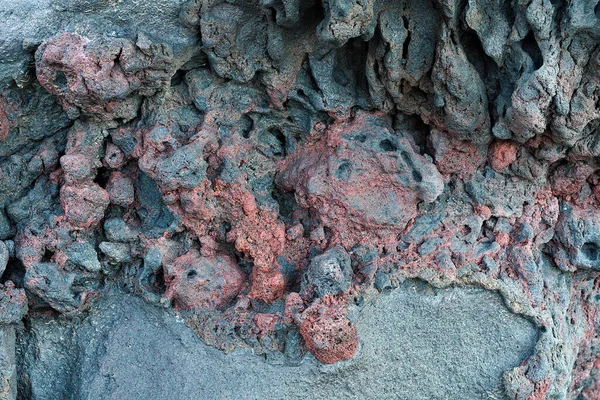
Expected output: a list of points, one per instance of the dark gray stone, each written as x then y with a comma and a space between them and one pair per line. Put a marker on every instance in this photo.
8, 365
4, 254
328, 273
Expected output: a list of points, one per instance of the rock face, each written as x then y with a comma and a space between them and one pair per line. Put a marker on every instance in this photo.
279, 175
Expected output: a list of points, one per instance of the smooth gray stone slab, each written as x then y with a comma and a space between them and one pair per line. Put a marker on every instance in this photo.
416, 343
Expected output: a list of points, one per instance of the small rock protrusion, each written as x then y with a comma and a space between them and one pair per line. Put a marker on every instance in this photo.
327, 332
328, 274
194, 281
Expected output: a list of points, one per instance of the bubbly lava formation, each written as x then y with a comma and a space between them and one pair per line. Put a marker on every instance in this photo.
268, 169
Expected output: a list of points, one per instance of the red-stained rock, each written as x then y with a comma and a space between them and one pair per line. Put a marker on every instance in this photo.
194, 281
81, 77
113, 156
361, 178
198, 207
209, 245
269, 142
567, 180
76, 168
120, 189
261, 236
84, 205
501, 154
453, 157
327, 332
265, 323
502, 238
4, 123
294, 306
180, 173
102, 78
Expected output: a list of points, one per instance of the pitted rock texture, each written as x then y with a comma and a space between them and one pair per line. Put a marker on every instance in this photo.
269, 169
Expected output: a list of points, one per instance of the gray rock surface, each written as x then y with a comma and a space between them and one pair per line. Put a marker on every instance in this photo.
416, 343
8, 364
26, 23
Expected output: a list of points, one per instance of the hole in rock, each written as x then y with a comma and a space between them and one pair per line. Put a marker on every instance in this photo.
417, 176
225, 226
286, 201
406, 158
246, 124
177, 78
591, 251
406, 40
278, 151
344, 171
61, 80
15, 272
47, 257
387, 145
465, 230
273, 143
102, 177
191, 274
531, 47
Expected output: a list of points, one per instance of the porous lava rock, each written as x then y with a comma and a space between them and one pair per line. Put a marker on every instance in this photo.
269, 170
204, 282
327, 332
361, 178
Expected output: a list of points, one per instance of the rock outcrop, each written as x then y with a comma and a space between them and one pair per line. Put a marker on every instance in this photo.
272, 170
